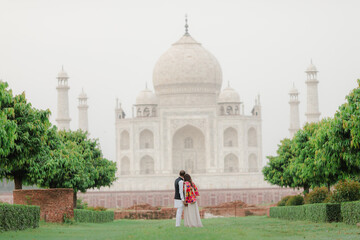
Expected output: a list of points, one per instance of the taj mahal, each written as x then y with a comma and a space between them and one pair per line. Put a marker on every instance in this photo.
192, 121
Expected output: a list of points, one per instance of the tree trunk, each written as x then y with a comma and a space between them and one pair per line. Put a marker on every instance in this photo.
18, 181
75, 198
328, 186
306, 189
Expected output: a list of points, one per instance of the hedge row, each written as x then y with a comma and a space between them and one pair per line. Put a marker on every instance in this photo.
320, 212
350, 212
82, 215
18, 217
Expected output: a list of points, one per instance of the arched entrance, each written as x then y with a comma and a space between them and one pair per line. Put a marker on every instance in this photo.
188, 150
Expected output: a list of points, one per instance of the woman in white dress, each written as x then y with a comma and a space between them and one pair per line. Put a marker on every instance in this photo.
191, 211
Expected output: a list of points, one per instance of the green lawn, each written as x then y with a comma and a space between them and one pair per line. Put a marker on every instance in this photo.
219, 228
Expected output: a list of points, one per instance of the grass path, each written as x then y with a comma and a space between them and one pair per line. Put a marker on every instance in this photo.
259, 228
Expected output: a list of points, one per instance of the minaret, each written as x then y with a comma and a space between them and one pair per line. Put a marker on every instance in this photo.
83, 111
256, 111
63, 119
294, 111
312, 112
119, 112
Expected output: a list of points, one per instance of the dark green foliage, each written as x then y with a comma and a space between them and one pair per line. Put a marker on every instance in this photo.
283, 201
68, 220
18, 217
289, 212
346, 191
81, 215
295, 200
80, 204
318, 195
350, 212
321, 212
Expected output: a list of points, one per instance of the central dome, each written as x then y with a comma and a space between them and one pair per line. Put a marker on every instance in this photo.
187, 69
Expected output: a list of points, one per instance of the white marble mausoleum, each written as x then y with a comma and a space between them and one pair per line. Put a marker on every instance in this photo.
192, 122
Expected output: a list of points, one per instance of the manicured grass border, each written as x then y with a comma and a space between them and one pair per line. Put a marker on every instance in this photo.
350, 212
319, 212
18, 217
82, 215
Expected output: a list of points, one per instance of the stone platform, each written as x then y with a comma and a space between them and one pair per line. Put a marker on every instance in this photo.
165, 198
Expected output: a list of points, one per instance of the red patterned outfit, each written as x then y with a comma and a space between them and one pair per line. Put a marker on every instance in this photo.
191, 192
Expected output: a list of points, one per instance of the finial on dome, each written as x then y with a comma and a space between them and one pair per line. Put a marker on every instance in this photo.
229, 83
311, 61
146, 85
62, 67
186, 25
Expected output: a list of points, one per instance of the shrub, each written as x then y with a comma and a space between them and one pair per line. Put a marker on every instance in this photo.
80, 204
81, 215
320, 212
68, 220
283, 201
318, 195
295, 200
18, 217
346, 191
350, 212
100, 209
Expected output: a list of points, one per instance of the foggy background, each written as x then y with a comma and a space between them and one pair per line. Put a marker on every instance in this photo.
110, 48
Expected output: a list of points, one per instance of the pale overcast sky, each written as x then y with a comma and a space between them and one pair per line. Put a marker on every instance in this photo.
110, 48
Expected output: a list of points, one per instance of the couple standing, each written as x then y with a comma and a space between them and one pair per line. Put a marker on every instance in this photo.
185, 197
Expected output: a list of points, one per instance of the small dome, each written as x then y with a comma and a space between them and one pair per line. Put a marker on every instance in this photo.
311, 68
82, 94
62, 74
229, 95
146, 97
293, 90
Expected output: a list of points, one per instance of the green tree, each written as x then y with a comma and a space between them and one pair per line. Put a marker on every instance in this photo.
303, 167
348, 137
7, 126
276, 171
30, 137
77, 163
328, 150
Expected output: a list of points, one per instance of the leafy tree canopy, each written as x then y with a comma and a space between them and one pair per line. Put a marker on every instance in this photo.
28, 128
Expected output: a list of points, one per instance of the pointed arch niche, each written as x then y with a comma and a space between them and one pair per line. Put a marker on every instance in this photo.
124, 140
125, 166
188, 150
230, 137
252, 164
252, 138
231, 163
146, 139
146, 165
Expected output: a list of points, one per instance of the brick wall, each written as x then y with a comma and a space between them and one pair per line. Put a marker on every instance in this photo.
53, 202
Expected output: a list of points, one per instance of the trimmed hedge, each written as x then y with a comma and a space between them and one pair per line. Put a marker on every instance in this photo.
320, 212
18, 217
82, 215
350, 212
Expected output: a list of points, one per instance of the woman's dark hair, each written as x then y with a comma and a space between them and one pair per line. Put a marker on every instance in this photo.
187, 178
